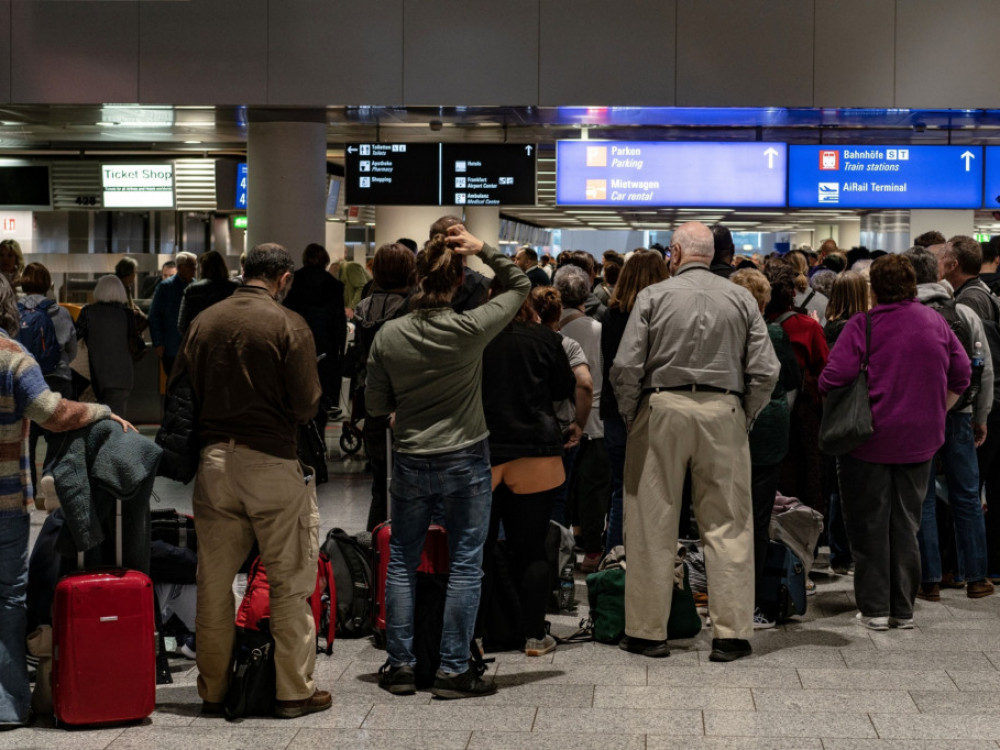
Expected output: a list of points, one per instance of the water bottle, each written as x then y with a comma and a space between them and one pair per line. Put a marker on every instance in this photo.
567, 587
977, 355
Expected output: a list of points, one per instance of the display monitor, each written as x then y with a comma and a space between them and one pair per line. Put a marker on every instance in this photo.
241, 186
656, 173
885, 176
25, 187
138, 185
991, 180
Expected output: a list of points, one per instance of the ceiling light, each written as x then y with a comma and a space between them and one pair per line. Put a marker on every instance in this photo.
192, 142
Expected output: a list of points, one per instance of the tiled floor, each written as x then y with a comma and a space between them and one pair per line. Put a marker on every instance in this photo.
823, 683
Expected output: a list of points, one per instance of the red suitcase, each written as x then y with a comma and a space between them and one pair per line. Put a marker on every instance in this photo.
434, 559
104, 656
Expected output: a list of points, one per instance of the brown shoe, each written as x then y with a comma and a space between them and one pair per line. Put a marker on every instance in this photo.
979, 589
948, 582
320, 701
929, 592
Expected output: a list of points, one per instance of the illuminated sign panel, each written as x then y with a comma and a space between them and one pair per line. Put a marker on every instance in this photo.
138, 185
885, 176
653, 173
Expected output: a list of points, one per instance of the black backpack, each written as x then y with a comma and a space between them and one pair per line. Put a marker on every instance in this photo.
963, 333
352, 575
991, 328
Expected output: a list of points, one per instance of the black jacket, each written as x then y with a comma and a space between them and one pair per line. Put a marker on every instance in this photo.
201, 295
319, 298
525, 369
612, 330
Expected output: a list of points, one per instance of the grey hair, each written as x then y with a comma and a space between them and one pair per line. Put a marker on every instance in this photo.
110, 289
822, 282
925, 264
573, 284
185, 257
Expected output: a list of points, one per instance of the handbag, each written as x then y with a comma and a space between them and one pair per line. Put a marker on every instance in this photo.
253, 678
847, 412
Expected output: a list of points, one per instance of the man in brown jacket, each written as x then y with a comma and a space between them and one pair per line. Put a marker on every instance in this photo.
252, 365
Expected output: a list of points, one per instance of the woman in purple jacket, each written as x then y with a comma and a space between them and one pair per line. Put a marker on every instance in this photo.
917, 369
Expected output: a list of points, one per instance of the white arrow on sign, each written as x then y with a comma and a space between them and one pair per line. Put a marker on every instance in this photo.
351, 149
967, 156
770, 154
528, 150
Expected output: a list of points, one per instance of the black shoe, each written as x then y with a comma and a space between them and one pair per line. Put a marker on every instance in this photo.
212, 709
652, 649
729, 649
466, 685
397, 680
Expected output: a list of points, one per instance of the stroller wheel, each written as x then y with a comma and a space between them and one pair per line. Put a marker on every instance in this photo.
350, 443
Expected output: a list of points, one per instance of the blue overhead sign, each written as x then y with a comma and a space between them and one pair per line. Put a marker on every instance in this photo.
885, 176
241, 186
991, 183
653, 173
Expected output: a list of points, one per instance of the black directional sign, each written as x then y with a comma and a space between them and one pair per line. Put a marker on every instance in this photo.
436, 174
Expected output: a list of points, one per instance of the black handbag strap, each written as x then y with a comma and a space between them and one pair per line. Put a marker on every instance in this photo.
868, 341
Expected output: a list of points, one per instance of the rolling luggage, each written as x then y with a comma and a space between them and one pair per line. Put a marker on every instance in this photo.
783, 585
104, 661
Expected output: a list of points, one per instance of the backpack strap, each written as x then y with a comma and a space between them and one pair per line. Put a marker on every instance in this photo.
575, 315
785, 316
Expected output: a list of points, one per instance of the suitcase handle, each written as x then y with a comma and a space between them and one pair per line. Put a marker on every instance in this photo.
118, 538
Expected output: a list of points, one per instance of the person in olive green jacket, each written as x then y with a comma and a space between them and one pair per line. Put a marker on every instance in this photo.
426, 367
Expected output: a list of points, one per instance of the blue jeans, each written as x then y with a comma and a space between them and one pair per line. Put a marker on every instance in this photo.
961, 469
15, 693
458, 482
615, 436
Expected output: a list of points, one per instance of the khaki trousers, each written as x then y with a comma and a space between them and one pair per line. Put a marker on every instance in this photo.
707, 431
240, 495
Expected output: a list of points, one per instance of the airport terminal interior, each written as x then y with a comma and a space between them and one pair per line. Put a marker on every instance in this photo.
142, 128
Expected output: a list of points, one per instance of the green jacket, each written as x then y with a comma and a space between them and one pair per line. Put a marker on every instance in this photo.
769, 437
427, 366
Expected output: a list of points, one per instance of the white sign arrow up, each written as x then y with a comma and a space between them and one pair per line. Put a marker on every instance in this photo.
528, 150
770, 154
968, 155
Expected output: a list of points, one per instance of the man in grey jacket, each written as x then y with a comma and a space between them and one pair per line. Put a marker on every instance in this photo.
693, 370
958, 454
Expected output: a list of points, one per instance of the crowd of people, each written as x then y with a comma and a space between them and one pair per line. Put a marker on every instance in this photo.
660, 394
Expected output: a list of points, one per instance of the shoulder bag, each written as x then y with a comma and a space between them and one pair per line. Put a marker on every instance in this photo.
847, 411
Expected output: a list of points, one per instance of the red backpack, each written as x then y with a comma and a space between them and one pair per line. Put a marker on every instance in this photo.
256, 604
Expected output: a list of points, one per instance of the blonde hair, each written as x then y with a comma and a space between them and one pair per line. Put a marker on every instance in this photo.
754, 282
439, 272
849, 295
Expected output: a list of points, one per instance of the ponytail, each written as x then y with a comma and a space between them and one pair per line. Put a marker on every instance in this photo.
439, 272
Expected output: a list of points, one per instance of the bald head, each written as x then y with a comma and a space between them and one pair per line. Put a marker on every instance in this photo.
695, 242
828, 246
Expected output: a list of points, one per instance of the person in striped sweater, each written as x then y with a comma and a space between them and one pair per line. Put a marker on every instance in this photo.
24, 398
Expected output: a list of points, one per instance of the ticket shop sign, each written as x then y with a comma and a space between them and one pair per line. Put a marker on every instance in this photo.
885, 176
138, 185
651, 173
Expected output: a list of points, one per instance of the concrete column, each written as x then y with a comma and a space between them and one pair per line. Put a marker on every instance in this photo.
948, 223
286, 169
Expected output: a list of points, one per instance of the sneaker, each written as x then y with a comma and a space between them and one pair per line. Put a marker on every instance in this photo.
929, 592
468, 684
539, 646
760, 620
591, 562
399, 680
873, 623
187, 647
729, 649
902, 623
47, 488
843, 570
321, 700
645, 647
979, 589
